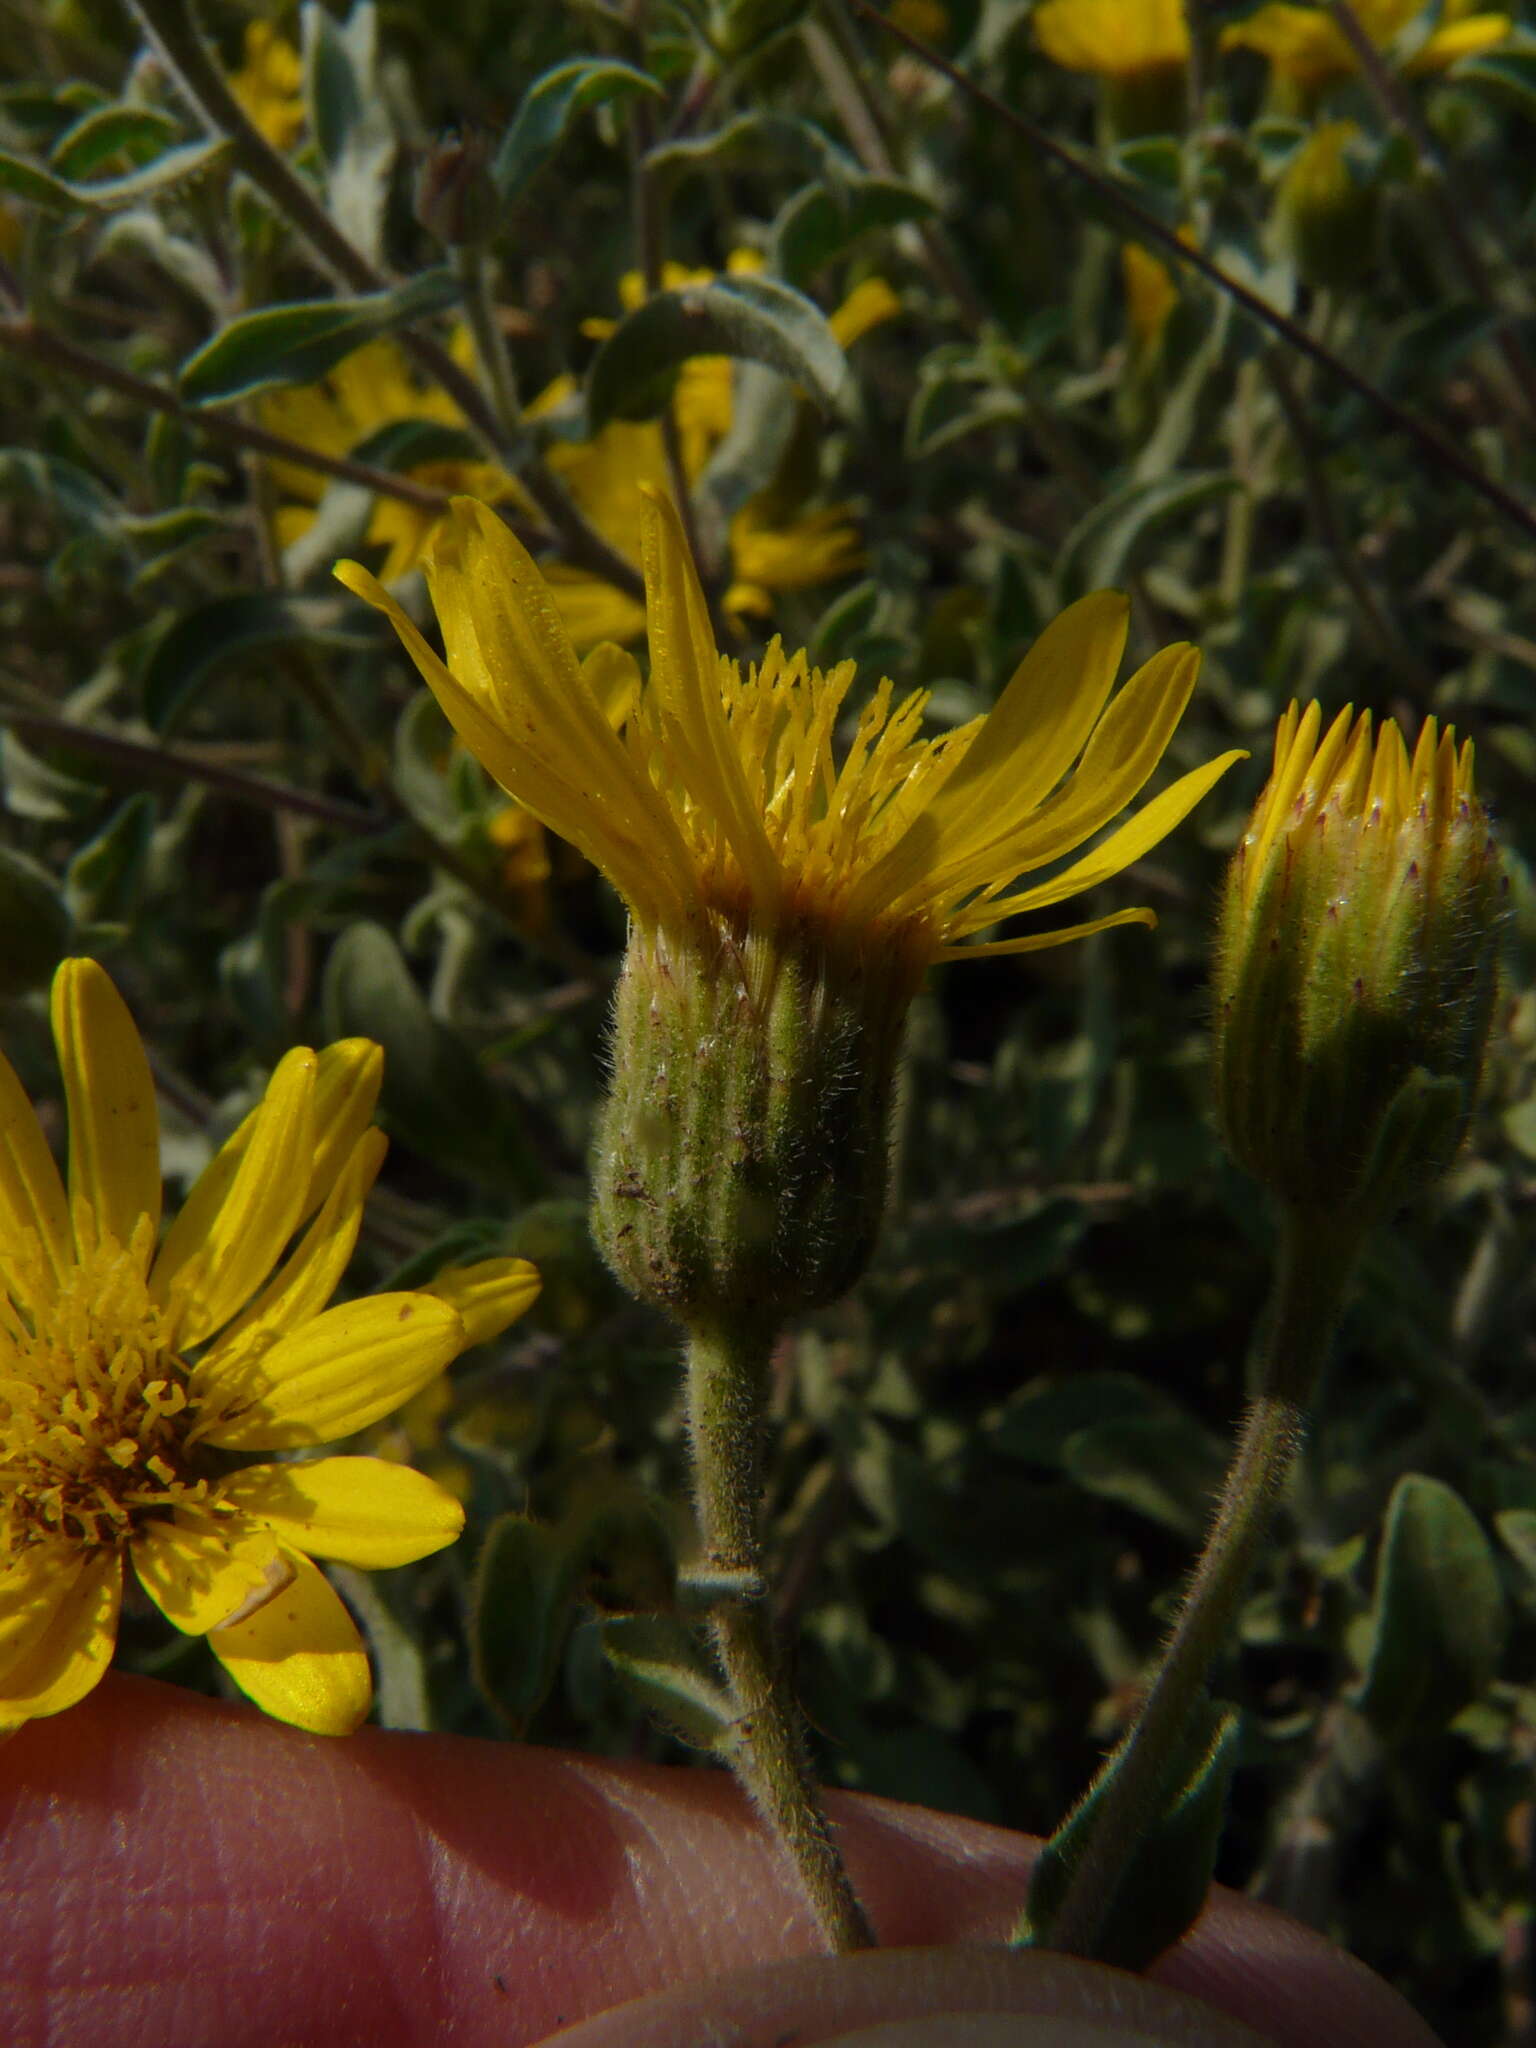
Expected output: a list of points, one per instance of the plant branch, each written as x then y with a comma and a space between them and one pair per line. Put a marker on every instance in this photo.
1399, 107
175, 36
51, 349
1316, 1259
1430, 439
137, 762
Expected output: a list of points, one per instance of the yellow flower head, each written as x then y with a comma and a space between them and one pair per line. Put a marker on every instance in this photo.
128, 1373
1355, 963
369, 390
1307, 50
270, 85
725, 800
1113, 39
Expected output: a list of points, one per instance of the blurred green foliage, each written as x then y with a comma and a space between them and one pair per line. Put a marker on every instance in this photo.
993, 1465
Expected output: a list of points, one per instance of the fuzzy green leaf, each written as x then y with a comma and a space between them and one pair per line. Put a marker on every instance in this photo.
201, 641
549, 106
522, 1610
633, 373
298, 343
29, 181
89, 142
1439, 1618
1165, 1880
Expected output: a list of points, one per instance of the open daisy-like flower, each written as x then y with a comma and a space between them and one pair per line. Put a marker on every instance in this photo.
724, 799
140, 1388
786, 893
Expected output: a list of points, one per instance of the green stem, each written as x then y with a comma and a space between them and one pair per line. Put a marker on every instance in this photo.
473, 273
727, 1400
1316, 1259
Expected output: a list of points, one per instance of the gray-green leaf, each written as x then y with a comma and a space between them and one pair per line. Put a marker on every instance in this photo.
296, 344
755, 318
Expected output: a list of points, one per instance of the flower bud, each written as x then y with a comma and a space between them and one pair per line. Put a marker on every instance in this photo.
1355, 965
1326, 208
742, 1153
455, 195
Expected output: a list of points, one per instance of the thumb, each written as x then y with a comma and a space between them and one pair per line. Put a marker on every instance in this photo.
178, 1871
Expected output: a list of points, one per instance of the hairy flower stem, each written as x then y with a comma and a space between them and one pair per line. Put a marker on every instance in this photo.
1316, 1259
727, 1397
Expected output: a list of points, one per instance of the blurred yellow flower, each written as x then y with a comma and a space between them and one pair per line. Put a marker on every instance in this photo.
1150, 294
370, 389
607, 475
523, 861
1113, 39
127, 1373
1307, 50
270, 85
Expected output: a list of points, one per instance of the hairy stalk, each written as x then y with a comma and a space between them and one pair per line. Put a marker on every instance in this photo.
177, 40
727, 1396
1316, 1259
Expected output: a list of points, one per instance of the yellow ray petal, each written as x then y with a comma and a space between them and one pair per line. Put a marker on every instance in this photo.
212, 1263
488, 1296
347, 1082
199, 1573
362, 1511
1458, 39
68, 1659
307, 1279
685, 677
1027, 742
535, 726
867, 305
33, 1585
1154, 821
300, 1656
1126, 746
338, 1374
346, 1092
1037, 942
114, 1128
31, 1197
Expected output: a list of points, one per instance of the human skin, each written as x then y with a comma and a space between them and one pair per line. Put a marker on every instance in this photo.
176, 1872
